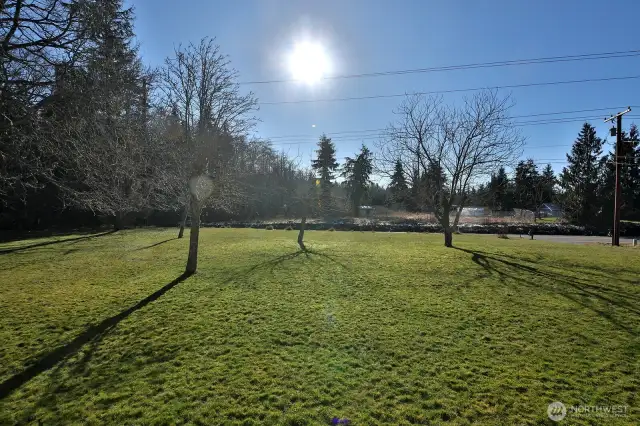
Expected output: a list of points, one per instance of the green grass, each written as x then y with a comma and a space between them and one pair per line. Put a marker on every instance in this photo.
378, 328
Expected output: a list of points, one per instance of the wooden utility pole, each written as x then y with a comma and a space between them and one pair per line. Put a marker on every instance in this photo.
615, 234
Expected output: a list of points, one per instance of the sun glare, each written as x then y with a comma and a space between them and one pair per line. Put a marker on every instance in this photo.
309, 62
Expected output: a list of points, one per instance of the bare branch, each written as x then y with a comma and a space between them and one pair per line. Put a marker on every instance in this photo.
465, 143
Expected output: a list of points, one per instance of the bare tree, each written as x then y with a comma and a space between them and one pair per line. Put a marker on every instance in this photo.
466, 143
40, 40
306, 194
201, 88
117, 168
200, 189
107, 158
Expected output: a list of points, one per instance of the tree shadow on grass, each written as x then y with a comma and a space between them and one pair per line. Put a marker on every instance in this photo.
578, 290
598, 273
48, 243
272, 264
156, 244
12, 236
328, 257
92, 335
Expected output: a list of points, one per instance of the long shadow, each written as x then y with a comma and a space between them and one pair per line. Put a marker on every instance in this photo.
271, 264
326, 256
598, 273
156, 244
583, 289
481, 258
92, 333
11, 236
281, 259
48, 243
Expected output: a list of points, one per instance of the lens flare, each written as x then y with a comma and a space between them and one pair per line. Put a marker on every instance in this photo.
309, 62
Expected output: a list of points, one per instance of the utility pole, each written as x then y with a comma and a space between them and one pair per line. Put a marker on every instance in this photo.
615, 234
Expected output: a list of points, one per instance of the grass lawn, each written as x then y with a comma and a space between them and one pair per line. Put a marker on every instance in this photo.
378, 328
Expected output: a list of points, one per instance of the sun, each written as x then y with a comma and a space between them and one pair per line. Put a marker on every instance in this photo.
309, 62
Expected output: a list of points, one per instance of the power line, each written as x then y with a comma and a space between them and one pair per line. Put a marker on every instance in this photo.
559, 161
531, 61
378, 133
566, 112
372, 134
515, 116
328, 133
511, 86
558, 120
373, 137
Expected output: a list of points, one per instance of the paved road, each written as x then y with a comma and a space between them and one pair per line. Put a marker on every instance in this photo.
575, 239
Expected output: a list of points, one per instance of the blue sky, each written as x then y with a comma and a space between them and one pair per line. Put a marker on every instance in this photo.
370, 36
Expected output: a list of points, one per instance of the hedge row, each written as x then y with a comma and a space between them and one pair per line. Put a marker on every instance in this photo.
627, 229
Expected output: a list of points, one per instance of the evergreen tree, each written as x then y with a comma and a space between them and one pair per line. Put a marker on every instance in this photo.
113, 81
548, 182
413, 201
479, 196
472, 197
606, 188
105, 113
324, 165
357, 172
500, 193
630, 174
433, 183
378, 196
579, 179
398, 185
484, 198
527, 185
629, 180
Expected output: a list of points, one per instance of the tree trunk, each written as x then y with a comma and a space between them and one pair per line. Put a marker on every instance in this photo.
457, 219
183, 219
192, 260
303, 224
118, 223
448, 238
448, 234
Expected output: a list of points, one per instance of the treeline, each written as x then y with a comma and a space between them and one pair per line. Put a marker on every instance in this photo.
526, 188
90, 135
588, 181
584, 189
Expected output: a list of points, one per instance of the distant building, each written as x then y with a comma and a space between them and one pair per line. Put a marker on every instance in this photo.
474, 211
550, 210
366, 211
